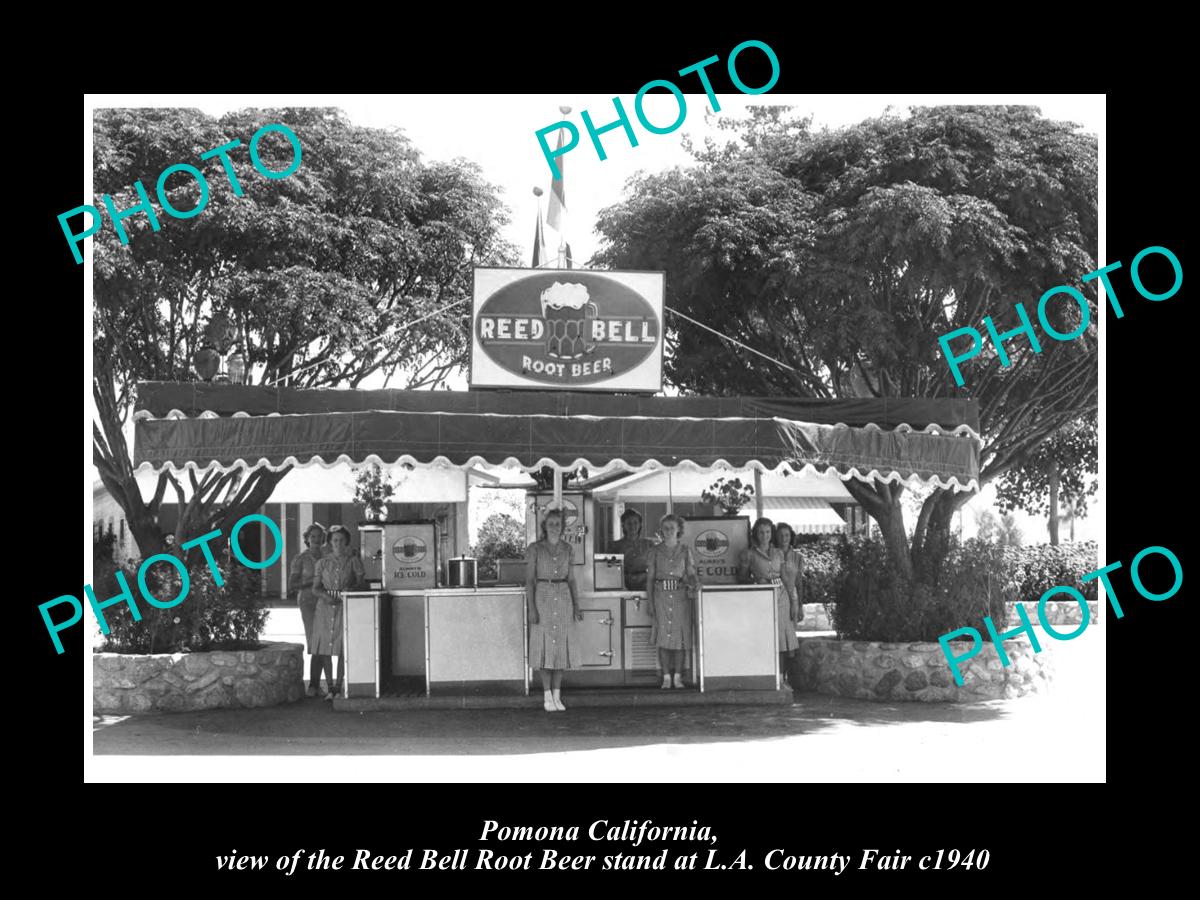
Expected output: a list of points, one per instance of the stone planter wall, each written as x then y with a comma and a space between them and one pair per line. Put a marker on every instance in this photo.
871, 670
1058, 612
173, 682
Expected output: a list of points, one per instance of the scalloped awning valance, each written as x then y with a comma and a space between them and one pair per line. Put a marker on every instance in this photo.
200, 426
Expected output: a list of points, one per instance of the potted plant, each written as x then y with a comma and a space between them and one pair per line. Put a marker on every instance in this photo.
373, 488
729, 494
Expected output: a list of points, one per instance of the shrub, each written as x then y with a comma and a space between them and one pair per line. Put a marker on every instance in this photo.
1042, 566
820, 566
875, 602
230, 617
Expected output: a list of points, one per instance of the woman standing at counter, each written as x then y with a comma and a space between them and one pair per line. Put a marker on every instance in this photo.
793, 585
634, 547
337, 572
552, 599
764, 564
302, 576
671, 582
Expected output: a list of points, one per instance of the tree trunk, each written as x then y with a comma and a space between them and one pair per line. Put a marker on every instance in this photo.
1054, 478
111, 457
208, 510
218, 501
882, 503
937, 515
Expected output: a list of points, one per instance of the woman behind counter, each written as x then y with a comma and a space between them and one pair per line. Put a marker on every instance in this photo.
671, 583
552, 600
793, 584
339, 571
302, 576
763, 564
634, 547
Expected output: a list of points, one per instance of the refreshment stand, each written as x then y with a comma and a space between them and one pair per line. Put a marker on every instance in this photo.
423, 642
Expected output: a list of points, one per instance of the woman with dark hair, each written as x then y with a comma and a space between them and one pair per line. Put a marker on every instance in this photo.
763, 564
634, 547
671, 582
302, 575
791, 607
553, 604
339, 571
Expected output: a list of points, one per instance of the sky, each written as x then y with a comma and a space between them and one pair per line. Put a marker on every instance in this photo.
498, 133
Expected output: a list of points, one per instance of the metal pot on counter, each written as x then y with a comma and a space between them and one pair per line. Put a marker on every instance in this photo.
462, 571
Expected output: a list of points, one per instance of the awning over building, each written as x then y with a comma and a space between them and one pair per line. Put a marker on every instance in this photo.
806, 515
237, 425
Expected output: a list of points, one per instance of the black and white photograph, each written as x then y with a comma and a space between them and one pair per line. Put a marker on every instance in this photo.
464, 438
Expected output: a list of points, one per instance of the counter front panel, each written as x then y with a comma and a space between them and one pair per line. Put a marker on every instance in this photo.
361, 615
738, 641
476, 640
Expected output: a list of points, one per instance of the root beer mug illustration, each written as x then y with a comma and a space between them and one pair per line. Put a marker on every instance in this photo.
569, 316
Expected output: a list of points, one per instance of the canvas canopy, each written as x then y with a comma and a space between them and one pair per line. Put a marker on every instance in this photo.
201, 426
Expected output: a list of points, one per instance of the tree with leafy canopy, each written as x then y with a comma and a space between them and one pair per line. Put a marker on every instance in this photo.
362, 240
1059, 473
500, 537
846, 253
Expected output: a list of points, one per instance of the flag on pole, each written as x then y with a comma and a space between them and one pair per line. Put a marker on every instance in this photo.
558, 197
569, 257
539, 241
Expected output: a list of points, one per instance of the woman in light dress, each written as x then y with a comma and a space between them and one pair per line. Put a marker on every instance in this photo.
302, 576
338, 572
671, 583
763, 563
553, 605
791, 616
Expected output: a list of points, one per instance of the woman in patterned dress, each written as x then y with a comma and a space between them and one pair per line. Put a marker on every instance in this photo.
339, 571
793, 585
763, 564
671, 582
552, 601
301, 577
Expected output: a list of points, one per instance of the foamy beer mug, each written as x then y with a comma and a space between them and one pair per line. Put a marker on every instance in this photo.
568, 315
410, 548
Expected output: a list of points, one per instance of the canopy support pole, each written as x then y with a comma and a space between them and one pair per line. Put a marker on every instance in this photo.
758, 498
558, 478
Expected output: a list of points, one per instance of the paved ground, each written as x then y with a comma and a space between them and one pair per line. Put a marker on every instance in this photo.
1059, 737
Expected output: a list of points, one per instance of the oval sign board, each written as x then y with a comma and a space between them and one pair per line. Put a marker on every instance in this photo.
565, 328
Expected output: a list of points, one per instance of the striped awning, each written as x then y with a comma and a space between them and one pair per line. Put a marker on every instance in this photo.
806, 515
